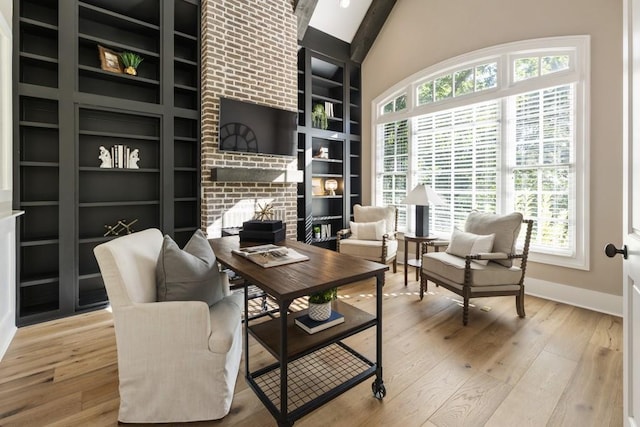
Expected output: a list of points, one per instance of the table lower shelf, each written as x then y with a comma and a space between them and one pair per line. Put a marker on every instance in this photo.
312, 379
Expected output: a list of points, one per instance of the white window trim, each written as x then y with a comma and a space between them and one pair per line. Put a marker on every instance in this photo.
578, 47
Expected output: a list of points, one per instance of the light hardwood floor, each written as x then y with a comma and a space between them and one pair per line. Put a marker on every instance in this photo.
561, 366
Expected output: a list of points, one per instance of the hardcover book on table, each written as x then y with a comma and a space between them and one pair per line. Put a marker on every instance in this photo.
270, 255
312, 326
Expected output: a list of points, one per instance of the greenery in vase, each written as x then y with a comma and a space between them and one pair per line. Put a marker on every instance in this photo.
131, 61
323, 296
319, 117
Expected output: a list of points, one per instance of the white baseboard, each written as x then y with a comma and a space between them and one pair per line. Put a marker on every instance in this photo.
591, 300
7, 331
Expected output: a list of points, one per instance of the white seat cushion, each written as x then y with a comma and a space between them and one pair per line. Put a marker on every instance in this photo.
368, 249
451, 268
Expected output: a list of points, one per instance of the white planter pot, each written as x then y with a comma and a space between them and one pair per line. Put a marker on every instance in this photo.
320, 312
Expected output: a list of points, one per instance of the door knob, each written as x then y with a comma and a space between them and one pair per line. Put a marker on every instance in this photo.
610, 250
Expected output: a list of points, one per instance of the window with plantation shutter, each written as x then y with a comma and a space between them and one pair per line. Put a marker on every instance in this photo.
508, 134
395, 166
541, 166
457, 155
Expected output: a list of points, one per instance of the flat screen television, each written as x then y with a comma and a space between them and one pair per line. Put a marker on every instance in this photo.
253, 128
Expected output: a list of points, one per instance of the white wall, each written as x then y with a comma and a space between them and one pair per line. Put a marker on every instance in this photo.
7, 218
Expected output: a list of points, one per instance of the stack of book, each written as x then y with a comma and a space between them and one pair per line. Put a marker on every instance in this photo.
312, 326
270, 255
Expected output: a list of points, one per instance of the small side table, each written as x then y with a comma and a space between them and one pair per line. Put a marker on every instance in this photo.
419, 240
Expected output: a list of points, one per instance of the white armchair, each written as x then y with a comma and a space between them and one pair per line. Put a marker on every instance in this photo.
177, 360
371, 235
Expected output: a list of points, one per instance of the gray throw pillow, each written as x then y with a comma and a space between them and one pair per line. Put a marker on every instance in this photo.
189, 274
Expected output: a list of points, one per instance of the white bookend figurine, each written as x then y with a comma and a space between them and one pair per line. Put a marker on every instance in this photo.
133, 159
105, 157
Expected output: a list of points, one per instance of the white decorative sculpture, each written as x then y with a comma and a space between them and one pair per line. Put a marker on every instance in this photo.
133, 159
105, 156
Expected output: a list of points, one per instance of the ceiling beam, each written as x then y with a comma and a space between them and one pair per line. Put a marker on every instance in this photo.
303, 10
369, 28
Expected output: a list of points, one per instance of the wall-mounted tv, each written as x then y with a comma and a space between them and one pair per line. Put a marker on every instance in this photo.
253, 128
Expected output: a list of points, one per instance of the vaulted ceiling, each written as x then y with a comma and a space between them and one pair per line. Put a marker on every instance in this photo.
358, 24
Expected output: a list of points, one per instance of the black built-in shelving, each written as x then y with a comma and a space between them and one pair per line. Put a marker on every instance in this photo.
68, 107
327, 76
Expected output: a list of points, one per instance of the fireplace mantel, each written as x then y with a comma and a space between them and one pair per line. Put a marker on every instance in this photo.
274, 176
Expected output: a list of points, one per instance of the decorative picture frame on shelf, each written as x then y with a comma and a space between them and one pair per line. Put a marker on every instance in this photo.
109, 60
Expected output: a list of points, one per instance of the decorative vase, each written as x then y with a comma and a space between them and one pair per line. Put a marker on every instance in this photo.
131, 70
320, 312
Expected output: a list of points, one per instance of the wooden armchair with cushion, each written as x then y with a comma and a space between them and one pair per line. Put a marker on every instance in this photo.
371, 234
479, 260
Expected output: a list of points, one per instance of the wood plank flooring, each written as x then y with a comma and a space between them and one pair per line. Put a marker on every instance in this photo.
561, 366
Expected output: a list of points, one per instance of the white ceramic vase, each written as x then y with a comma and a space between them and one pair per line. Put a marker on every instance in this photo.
320, 312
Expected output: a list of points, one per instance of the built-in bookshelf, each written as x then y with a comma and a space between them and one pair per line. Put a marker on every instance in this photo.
329, 157
68, 107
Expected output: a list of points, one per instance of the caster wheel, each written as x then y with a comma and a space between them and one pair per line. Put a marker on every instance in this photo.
379, 391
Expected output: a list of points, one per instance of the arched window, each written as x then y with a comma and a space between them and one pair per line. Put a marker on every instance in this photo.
499, 130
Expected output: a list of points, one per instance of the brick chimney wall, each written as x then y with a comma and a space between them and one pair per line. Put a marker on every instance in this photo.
249, 53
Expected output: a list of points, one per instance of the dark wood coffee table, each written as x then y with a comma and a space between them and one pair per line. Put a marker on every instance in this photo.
310, 369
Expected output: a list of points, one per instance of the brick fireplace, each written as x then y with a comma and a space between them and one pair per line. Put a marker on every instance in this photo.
249, 53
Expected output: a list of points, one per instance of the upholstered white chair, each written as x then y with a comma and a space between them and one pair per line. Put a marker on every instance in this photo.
177, 360
479, 260
371, 234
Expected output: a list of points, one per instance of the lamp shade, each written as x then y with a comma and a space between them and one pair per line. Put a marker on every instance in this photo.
422, 195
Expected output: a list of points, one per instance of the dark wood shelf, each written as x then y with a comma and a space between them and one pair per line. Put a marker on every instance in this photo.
116, 76
38, 24
325, 98
126, 170
337, 196
186, 61
40, 164
109, 17
39, 242
186, 36
41, 58
325, 82
319, 159
120, 135
39, 281
39, 125
119, 203
300, 342
326, 218
117, 45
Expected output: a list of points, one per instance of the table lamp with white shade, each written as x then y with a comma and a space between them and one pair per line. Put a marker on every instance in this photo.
422, 196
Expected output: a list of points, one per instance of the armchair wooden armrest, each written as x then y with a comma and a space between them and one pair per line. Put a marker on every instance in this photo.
493, 256
345, 232
437, 243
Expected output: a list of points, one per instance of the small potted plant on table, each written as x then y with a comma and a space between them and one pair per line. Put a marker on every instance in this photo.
320, 304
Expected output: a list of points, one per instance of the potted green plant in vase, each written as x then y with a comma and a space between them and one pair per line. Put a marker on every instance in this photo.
320, 304
131, 61
319, 117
